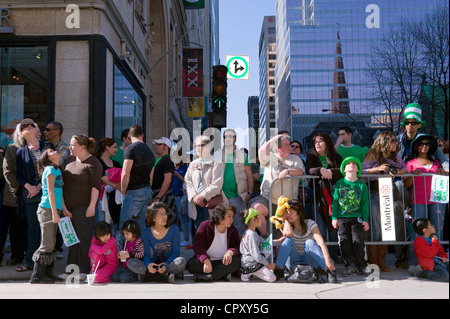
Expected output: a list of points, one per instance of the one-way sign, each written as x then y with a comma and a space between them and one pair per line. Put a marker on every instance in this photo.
238, 66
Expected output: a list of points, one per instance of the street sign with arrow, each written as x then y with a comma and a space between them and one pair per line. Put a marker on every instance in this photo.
238, 66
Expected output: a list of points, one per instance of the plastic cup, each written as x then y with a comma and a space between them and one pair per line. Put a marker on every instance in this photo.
91, 279
123, 259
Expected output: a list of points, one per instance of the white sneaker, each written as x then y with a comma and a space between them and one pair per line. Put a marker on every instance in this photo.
245, 278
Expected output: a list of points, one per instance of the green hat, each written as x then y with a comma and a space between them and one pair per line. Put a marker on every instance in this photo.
413, 111
351, 159
251, 213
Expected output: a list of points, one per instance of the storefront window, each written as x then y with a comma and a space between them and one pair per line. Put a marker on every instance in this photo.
23, 87
128, 105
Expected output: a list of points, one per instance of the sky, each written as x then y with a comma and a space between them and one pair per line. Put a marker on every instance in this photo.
240, 23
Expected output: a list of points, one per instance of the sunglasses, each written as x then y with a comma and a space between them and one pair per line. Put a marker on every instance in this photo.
411, 123
24, 126
423, 144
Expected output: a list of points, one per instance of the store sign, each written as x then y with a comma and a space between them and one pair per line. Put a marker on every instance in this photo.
5, 23
196, 107
192, 72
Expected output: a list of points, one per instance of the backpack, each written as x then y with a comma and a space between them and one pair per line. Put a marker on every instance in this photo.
301, 274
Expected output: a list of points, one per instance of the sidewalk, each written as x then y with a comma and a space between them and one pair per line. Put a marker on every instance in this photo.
397, 284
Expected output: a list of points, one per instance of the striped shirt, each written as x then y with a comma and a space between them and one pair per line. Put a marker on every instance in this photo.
300, 239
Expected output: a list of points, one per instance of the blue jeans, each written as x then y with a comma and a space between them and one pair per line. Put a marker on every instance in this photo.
183, 215
439, 272
135, 202
202, 215
238, 222
288, 254
436, 214
33, 232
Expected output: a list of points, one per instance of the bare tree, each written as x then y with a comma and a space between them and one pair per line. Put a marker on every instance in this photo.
433, 36
395, 68
387, 93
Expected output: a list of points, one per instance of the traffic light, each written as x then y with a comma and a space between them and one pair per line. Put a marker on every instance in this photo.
219, 91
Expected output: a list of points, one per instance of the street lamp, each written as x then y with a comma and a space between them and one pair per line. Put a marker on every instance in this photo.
354, 122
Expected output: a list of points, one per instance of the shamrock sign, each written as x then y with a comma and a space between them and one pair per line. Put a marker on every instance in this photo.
67, 232
439, 189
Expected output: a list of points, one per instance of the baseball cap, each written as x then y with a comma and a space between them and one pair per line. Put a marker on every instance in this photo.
163, 140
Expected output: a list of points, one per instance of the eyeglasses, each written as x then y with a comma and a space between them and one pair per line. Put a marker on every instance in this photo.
318, 142
411, 123
161, 214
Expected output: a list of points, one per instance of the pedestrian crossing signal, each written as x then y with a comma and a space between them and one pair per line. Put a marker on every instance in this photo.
219, 93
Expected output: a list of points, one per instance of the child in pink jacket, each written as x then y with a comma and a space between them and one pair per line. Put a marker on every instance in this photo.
103, 252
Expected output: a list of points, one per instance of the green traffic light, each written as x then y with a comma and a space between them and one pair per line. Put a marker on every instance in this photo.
219, 102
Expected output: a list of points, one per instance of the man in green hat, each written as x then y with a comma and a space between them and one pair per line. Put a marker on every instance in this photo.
412, 122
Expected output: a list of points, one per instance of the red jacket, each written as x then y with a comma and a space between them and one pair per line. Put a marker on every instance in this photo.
205, 236
425, 253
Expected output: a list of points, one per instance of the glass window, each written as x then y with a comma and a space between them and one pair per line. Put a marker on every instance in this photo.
128, 105
23, 87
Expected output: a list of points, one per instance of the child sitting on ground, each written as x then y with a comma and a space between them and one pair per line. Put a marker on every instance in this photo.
350, 215
103, 253
432, 258
133, 249
252, 260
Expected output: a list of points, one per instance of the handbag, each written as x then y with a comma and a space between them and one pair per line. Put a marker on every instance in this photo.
213, 202
33, 200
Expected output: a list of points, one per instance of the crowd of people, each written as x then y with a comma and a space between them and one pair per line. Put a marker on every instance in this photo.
129, 208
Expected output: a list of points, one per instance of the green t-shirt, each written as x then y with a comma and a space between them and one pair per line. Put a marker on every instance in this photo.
119, 156
354, 150
229, 181
323, 161
350, 199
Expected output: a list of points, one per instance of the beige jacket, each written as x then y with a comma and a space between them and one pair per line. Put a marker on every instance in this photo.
239, 170
211, 175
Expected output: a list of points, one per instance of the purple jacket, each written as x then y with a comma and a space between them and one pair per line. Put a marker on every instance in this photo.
205, 236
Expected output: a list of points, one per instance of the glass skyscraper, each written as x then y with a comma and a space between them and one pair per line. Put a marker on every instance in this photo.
323, 51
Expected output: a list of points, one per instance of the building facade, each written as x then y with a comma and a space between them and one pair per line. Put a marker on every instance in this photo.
99, 66
253, 120
267, 63
323, 55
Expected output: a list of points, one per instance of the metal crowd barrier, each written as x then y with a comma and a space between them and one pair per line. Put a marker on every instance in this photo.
403, 214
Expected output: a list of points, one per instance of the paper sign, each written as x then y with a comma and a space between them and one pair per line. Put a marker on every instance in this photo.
67, 232
266, 246
387, 209
439, 189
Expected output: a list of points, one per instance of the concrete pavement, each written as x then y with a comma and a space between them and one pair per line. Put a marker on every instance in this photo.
397, 284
